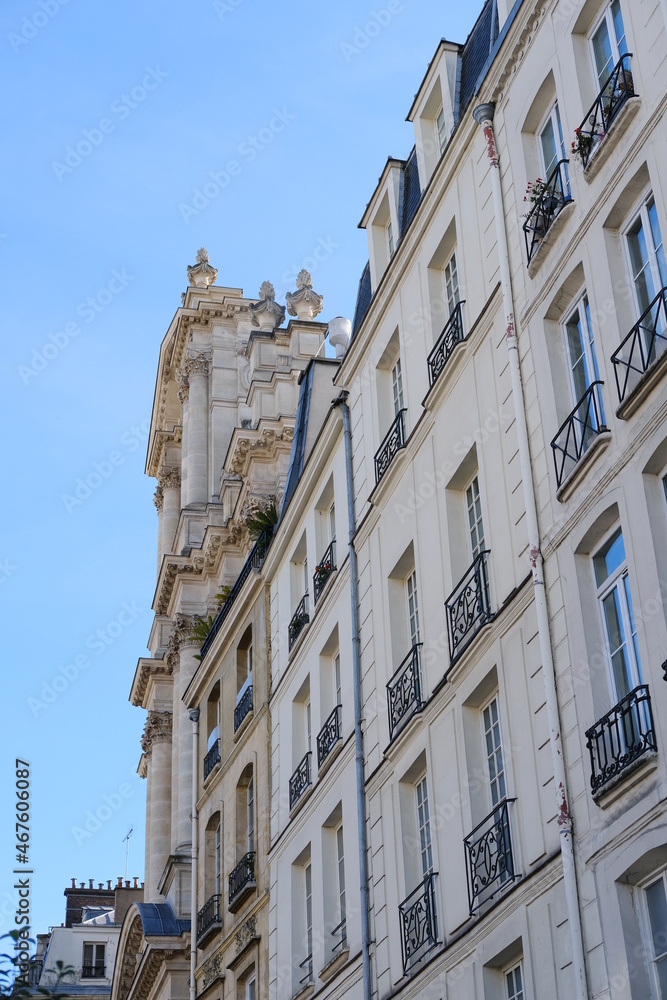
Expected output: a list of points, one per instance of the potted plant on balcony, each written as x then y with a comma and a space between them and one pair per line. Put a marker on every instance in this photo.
582, 144
297, 624
322, 571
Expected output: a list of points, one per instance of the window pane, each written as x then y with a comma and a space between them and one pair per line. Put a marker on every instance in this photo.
657, 911
549, 147
451, 278
424, 824
609, 558
639, 262
657, 241
494, 752
617, 643
604, 60
619, 30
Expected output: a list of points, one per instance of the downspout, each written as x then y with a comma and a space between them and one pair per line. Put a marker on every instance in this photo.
340, 401
483, 115
194, 718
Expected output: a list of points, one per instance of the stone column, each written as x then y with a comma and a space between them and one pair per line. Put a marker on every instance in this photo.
158, 500
169, 485
196, 428
182, 652
156, 744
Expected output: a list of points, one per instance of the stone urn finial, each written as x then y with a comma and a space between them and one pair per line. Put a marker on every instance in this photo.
266, 314
305, 304
202, 274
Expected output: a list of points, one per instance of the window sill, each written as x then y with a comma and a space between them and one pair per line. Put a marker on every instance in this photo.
307, 991
606, 146
334, 965
573, 479
644, 387
550, 238
618, 786
214, 770
239, 899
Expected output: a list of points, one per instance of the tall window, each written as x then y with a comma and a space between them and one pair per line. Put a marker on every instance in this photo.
613, 591
338, 697
440, 133
332, 522
397, 387
413, 608
646, 255
390, 239
93, 961
340, 869
582, 365
218, 859
424, 827
250, 814
608, 43
655, 899
309, 921
307, 721
514, 983
493, 750
450, 278
475, 525
551, 144
250, 989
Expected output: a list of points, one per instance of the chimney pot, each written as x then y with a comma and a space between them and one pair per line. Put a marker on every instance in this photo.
120, 883
127, 883
90, 883
136, 882
74, 883
109, 884
82, 885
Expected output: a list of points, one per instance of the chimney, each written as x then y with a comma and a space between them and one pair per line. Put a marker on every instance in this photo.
120, 883
136, 882
127, 884
74, 883
340, 331
90, 883
109, 884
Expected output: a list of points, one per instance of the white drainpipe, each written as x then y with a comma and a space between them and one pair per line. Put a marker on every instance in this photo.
194, 717
483, 115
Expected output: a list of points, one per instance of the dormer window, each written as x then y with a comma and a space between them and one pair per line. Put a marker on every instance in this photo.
390, 239
440, 133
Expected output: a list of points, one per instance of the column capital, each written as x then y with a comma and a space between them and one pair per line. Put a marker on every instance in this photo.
197, 364
169, 478
158, 499
158, 729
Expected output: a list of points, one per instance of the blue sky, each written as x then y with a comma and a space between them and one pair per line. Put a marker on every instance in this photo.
114, 118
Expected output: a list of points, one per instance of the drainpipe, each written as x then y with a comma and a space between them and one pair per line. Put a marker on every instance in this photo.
340, 401
194, 718
483, 115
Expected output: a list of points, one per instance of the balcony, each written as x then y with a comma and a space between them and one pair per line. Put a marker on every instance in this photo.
447, 341
339, 935
555, 194
300, 780
578, 432
642, 350
621, 737
393, 442
298, 622
417, 916
490, 864
242, 881
253, 562
211, 759
404, 691
467, 607
608, 103
323, 570
243, 705
307, 968
209, 920
91, 971
329, 735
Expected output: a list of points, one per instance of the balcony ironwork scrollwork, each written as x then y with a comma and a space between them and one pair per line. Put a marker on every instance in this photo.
599, 118
554, 195
243, 706
451, 335
209, 917
490, 863
300, 780
241, 879
298, 622
323, 570
393, 441
621, 737
468, 607
643, 347
417, 916
404, 691
329, 735
211, 759
578, 431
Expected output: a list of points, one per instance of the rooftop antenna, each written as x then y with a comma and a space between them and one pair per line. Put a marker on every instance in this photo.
126, 839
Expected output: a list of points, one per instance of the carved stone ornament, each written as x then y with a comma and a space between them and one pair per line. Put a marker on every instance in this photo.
158, 499
198, 364
305, 304
266, 314
246, 933
157, 730
183, 384
211, 970
180, 637
202, 274
169, 478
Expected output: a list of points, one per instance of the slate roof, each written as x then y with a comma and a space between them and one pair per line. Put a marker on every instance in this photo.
409, 193
476, 51
364, 296
159, 920
299, 440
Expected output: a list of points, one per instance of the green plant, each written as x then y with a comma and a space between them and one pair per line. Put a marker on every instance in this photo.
200, 630
12, 985
262, 521
223, 595
582, 145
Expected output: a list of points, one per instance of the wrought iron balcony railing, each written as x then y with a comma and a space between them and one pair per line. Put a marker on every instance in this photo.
490, 864
299, 620
447, 341
323, 570
329, 735
339, 935
615, 92
417, 916
621, 737
404, 691
241, 880
553, 197
642, 348
92, 972
578, 431
243, 706
211, 759
468, 607
208, 918
253, 562
300, 780
307, 964
393, 442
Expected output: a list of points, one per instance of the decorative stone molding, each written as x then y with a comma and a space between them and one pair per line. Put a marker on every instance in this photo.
255, 504
157, 730
158, 499
183, 384
517, 55
197, 364
142, 769
169, 478
212, 970
148, 667
261, 442
267, 314
202, 274
179, 636
245, 934
305, 304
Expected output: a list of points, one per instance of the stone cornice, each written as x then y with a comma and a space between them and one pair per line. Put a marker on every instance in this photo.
263, 442
147, 667
199, 561
520, 42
